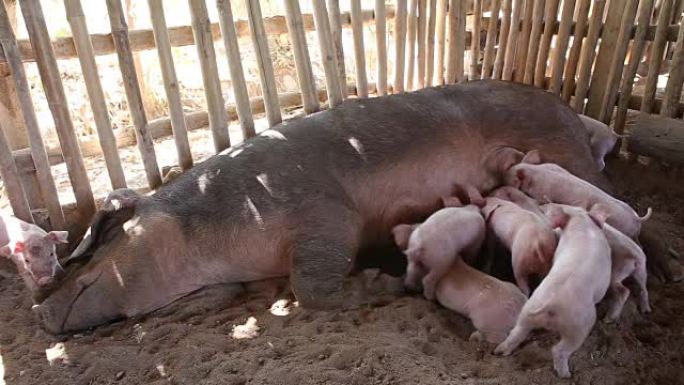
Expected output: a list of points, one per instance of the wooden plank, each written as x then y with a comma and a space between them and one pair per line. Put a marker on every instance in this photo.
411, 43
57, 101
474, 72
237, 75
264, 63
399, 45
381, 44
47, 184
618, 62
422, 31
657, 50
359, 50
562, 41
441, 18
330, 66
535, 38
523, 41
307, 83
509, 59
168, 70
488, 60
98, 104
503, 39
574, 56
658, 137
673, 89
11, 180
550, 13
336, 31
587, 55
638, 44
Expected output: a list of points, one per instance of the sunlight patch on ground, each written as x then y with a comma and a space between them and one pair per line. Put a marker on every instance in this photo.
248, 330
57, 353
161, 370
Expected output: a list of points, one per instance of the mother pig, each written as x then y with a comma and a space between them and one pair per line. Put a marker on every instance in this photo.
303, 198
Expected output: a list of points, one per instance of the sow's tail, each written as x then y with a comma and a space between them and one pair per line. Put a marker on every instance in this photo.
647, 216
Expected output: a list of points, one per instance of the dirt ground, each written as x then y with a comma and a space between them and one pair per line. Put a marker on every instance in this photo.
400, 338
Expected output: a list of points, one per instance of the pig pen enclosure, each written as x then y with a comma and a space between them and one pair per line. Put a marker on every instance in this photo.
77, 121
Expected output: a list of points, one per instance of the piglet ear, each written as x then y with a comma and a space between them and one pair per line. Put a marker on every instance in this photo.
556, 216
520, 174
19, 247
452, 201
532, 157
57, 236
599, 213
401, 234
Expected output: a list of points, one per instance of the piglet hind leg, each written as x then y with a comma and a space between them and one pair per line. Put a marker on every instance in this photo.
572, 335
640, 278
516, 337
617, 297
322, 256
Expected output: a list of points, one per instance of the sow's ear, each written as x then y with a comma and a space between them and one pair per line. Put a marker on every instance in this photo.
503, 159
532, 157
401, 234
599, 213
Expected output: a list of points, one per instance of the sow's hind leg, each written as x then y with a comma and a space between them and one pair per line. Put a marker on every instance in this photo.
322, 251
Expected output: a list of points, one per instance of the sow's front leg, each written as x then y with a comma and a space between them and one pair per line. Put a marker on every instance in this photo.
323, 250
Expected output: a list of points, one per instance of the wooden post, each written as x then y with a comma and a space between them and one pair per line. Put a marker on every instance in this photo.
455, 64
411, 40
237, 75
533, 45
441, 40
91, 78
574, 56
381, 43
11, 180
54, 92
562, 41
399, 44
523, 41
638, 45
550, 14
618, 62
430, 61
503, 39
488, 60
161, 38
268, 84
673, 89
330, 65
47, 184
336, 30
359, 51
474, 72
16, 134
587, 55
509, 59
657, 50
422, 26
307, 83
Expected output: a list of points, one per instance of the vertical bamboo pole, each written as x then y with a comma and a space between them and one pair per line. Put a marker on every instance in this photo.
260, 42
523, 41
488, 60
643, 22
587, 55
673, 89
430, 36
657, 50
399, 44
330, 66
474, 72
359, 51
455, 62
562, 41
54, 92
422, 26
237, 74
533, 45
441, 40
381, 43
509, 59
161, 38
8, 42
91, 77
618, 62
574, 56
411, 40
335, 19
549, 25
12, 182
307, 84
503, 39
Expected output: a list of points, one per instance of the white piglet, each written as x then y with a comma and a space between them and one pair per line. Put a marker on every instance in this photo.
602, 139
